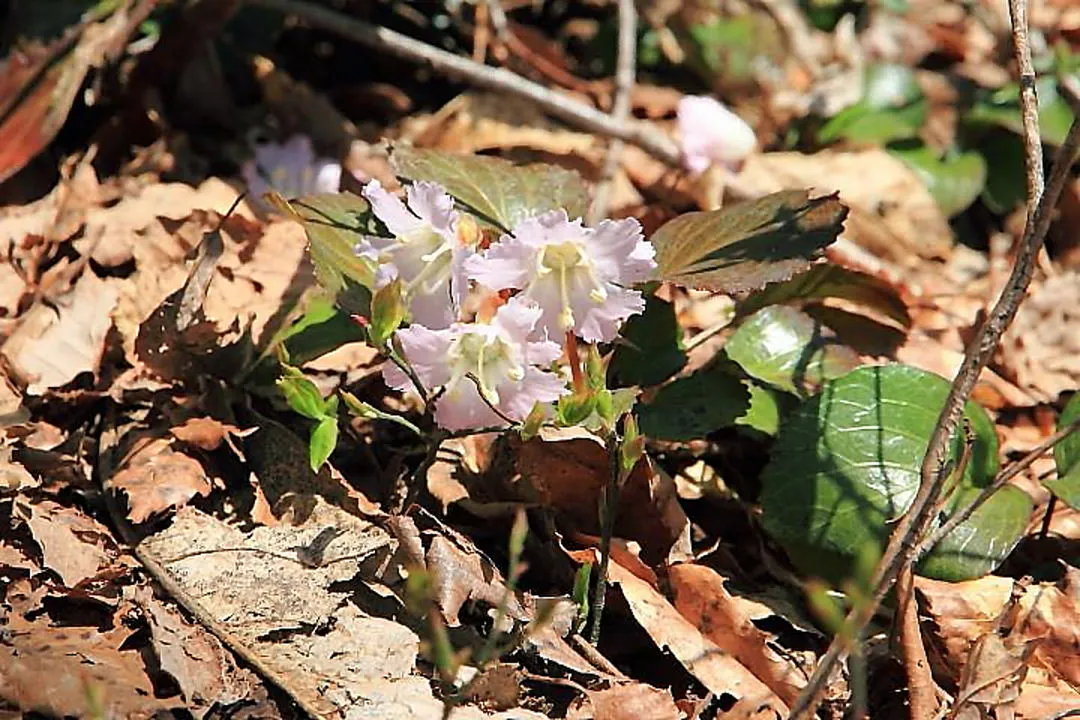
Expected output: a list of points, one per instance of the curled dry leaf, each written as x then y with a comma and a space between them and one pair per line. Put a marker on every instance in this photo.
157, 478
716, 669
54, 344
72, 544
1046, 615
206, 433
567, 470
700, 595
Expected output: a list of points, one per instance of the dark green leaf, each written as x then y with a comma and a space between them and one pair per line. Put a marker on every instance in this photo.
334, 223
847, 462
494, 188
652, 351
301, 394
832, 281
1002, 108
954, 181
892, 108
694, 406
745, 246
1066, 485
323, 441
788, 349
1005, 185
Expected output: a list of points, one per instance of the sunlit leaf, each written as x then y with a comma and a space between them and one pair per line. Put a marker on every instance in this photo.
321, 328
1002, 107
301, 394
789, 350
832, 281
334, 223
745, 246
892, 108
694, 406
651, 348
847, 462
494, 188
1066, 486
767, 407
954, 181
323, 441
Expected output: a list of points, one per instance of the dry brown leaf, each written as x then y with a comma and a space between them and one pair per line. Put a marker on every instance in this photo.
700, 595
567, 470
634, 701
13, 476
992, 678
205, 671
74, 671
205, 433
459, 576
1041, 348
892, 212
53, 345
157, 478
716, 669
72, 544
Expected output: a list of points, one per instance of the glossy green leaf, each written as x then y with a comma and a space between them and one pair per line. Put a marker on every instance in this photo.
334, 223
496, 189
301, 394
650, 350
746, 246
954, 181
1066, 486
324, 438
832, 281
694, 406
788, 349
847, 462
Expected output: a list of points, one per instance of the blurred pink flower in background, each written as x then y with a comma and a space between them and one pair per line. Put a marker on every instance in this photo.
576, 275
425, 250
710, 133
499, 355
291, 169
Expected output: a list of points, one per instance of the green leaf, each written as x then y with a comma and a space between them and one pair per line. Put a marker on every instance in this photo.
694, 406
334, 223
892, 108
1002, 108
321, 329
1006, 187
388, 310
496, 189
788, 349
301, 394
1066, 486
847, 462
765, 409
954, 181
652, 348
832, 281
323, 441
575, 408
745, 246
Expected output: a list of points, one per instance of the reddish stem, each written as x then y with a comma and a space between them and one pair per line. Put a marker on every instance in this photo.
575, 362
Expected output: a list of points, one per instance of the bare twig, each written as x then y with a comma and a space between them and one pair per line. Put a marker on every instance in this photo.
643, 134
904, 542
922, 693
626, 63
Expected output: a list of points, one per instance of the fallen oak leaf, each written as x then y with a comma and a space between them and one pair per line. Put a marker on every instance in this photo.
72, 544
156, 478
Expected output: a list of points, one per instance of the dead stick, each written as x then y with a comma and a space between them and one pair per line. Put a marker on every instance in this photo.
636, 132
626, 64
922, 693
905, 539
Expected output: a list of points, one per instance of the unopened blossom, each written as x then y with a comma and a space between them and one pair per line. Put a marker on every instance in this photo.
500, 356
291, 169
577, 275
710, 133
426, 250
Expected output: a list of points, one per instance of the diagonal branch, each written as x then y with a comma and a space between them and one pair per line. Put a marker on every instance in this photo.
904, 543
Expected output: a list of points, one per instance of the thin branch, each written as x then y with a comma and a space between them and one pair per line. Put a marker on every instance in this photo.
904, 542
643, 134
626, 64
1000, 481
922, 692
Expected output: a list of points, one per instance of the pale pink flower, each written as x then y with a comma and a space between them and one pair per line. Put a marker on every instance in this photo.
577, 275
291, 169
499, 355
425, 250
710, 133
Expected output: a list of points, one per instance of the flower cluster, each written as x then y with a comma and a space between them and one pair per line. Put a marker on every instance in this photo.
565, 278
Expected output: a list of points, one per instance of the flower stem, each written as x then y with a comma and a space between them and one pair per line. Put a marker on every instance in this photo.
609, 505
574, 360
